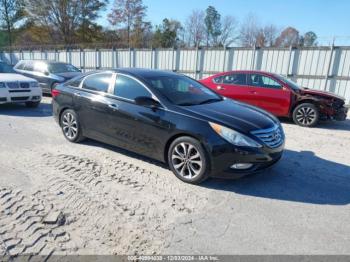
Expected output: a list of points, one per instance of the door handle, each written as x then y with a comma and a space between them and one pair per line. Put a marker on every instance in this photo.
253, 92
113, 106
220, 88
77, 94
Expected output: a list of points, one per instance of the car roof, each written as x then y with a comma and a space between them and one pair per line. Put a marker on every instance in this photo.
43, 61
244, 72
144, 73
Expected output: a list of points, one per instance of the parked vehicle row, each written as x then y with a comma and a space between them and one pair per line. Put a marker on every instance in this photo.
222, 126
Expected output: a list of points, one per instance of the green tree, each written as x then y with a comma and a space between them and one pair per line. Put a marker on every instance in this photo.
129, 14
90, 11
308, 39
166, 35
212, 22
64, 17
11, 11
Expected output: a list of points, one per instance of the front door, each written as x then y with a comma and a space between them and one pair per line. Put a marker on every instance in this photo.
137, 128
269, 94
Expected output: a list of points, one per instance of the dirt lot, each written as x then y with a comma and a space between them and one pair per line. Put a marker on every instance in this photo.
90, 198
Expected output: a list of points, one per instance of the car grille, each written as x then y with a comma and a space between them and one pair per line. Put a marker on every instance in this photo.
272, 137
12, 85
24, 85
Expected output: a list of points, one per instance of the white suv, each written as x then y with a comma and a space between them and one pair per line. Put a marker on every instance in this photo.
15, 88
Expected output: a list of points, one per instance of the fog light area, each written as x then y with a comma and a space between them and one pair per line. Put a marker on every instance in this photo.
241, 166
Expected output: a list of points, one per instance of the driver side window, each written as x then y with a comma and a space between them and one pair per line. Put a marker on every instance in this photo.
263, 81
126, 87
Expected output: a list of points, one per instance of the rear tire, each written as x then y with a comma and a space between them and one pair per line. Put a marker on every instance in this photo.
306, 115
70, 125
32, 104
188, 160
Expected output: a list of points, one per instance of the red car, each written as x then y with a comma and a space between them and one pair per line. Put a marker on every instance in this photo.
279, 96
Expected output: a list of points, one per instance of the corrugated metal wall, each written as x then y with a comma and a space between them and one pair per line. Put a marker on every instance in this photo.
324, 68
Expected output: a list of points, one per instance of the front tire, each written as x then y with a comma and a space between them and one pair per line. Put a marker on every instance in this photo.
70, 125
188, 160
32, 104
306, 115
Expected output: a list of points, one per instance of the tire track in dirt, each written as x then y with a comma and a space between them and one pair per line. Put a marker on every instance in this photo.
22, 225
115, 207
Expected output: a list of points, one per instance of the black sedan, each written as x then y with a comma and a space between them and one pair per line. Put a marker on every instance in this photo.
171, 118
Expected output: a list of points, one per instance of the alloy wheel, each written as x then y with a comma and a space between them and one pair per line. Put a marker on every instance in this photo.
306, 115
69, 126
186, 160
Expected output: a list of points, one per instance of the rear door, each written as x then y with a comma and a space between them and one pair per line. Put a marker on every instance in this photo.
270, 94
92, 104
235, 86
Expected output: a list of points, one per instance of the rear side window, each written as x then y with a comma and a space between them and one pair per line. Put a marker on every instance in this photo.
29, 66
235, 79
97, 82
20, 66
129, 88
74, 82
263, 81
218, 80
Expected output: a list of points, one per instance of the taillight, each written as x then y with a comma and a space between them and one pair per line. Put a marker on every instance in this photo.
55, 92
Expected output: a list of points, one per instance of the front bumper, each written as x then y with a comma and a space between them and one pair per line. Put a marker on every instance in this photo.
20, 96
341, 114
224, 156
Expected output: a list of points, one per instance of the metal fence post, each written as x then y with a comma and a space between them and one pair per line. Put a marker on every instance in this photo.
155, 58
328, 68
258, 58
295, 63
230, 59
177, 60
200, 63
335, 68
97, 58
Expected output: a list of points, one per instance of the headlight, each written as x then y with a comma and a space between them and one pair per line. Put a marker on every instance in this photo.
2, 85
233, 136
34, 84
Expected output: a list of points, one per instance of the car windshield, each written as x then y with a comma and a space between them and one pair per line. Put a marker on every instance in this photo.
182, 90
5, 68
62, 68
289, 82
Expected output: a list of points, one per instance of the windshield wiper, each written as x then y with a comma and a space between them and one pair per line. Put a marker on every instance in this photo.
210, 100
186, 104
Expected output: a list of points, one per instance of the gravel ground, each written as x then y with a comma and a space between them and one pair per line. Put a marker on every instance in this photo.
91, 198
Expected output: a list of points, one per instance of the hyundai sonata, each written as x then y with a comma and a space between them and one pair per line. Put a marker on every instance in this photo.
171, 118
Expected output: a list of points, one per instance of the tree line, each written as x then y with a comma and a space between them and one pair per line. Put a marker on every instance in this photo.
26, 23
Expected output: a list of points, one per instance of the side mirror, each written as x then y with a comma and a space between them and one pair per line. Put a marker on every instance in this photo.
146, 102
46, 73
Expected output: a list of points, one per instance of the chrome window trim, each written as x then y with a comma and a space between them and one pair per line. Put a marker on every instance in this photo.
137, 80
94, 91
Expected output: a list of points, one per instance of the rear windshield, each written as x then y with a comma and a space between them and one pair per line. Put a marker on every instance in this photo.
5, 68
62, 68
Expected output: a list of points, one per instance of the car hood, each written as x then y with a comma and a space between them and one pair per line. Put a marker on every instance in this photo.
68, 75
306, 91
9, 77
233, 114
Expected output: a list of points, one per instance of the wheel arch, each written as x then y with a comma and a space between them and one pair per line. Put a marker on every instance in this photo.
172, 139
303, 101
